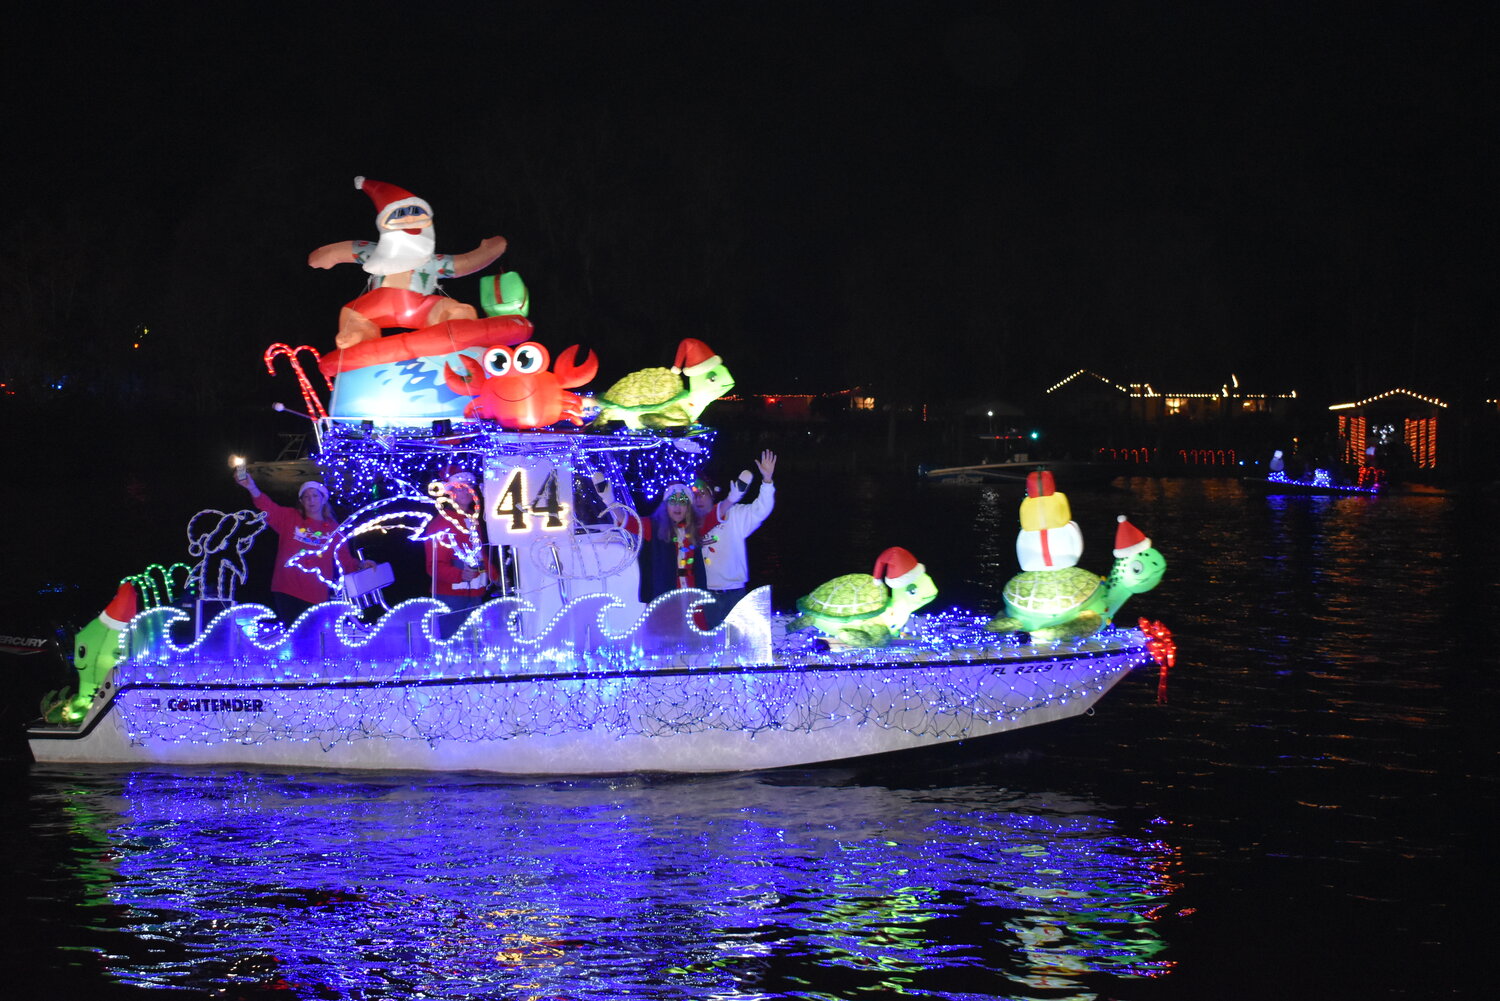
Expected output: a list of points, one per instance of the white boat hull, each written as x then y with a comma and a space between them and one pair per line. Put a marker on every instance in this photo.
794, 717
568, 701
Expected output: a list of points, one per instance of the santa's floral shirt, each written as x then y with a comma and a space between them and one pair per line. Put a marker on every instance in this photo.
424, 277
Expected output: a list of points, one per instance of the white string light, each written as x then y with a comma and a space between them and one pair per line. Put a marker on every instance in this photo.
210, 535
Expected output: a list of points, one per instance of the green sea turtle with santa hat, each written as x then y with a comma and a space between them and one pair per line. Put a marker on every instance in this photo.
1071, 602
867, 610
97, 648
659, 398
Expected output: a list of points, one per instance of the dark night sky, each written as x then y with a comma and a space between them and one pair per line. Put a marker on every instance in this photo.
983, 196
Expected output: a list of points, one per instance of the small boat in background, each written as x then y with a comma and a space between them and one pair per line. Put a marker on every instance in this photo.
1077, 473
1319, 481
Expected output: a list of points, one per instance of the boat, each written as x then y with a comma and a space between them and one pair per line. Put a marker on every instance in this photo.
574, 699
1319, 481
568, 674
1077, 473
562, 670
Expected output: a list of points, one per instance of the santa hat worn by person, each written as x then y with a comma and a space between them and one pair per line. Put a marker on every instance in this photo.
389, 197
694, 357
121, 608
458, 474
313, 485
1129, 540
897, 567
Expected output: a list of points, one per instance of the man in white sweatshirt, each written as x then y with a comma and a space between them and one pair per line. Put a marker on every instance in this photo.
726, 525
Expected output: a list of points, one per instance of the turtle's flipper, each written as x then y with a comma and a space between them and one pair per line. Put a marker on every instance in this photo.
1086, 624
667, 417
1004, 624
800, 623
865, 636
55, 703
609, 412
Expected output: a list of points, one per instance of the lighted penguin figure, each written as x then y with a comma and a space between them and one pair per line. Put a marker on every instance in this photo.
96, 650
867, 610
1072, 603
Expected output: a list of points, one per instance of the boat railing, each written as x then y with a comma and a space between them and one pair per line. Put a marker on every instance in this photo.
422, 639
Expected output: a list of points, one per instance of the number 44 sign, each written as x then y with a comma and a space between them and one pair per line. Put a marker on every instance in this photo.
525, 497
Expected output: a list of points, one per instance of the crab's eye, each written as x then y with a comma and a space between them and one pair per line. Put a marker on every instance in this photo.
530, 358
497, 361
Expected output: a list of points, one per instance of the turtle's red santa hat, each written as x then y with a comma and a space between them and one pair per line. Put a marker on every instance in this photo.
694, 357
897, 567
121, 608
1129, 540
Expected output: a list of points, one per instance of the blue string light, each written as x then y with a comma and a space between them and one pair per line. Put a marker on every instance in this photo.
333, 681
596, 668
1320, 479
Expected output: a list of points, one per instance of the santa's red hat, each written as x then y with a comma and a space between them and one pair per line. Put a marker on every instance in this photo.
1040, 484
121, 609
388, 197
897, 567
1129, 540
694, 357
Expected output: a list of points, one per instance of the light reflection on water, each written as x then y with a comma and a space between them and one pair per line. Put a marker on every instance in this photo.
1324, 755
781, 885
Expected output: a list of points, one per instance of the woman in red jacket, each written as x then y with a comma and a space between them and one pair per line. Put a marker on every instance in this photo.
309, 525
457, 559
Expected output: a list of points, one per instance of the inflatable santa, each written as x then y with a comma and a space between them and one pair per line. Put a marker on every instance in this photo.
404, 269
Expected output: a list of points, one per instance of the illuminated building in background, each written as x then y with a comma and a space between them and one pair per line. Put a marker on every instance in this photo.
797, 408
1394, 429
1096, 396
1141, 422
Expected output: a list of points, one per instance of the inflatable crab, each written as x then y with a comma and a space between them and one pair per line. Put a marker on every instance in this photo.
514, 387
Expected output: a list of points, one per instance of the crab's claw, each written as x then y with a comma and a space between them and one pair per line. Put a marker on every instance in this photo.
464, 385
570, 372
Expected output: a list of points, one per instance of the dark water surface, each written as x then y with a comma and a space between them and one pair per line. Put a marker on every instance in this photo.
1302, 819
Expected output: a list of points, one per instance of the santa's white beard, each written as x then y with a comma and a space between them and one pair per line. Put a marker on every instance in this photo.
400, 251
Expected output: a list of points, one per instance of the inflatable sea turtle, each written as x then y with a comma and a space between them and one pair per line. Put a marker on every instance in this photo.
657, 397
96, 650
865, 610
1071, 602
